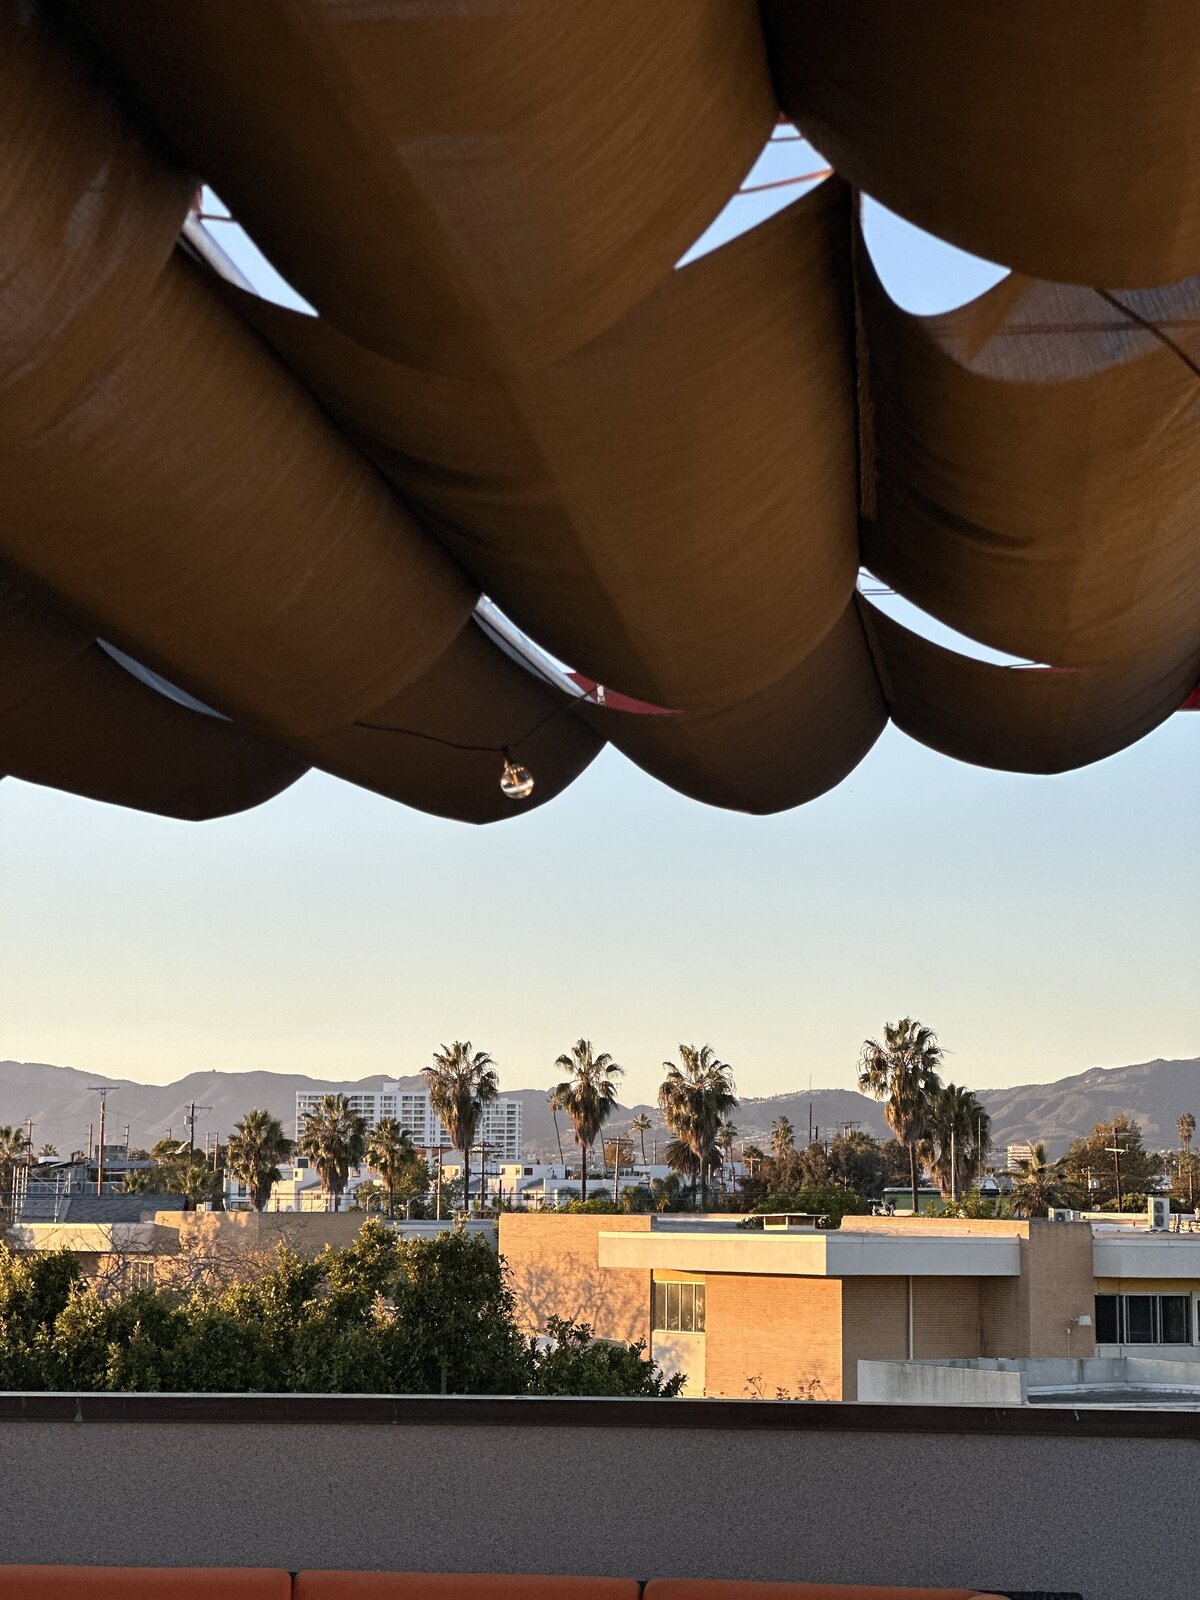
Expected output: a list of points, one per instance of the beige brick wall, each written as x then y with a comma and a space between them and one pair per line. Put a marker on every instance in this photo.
785, 1332
554, 1269
874, 1325
1029, 1316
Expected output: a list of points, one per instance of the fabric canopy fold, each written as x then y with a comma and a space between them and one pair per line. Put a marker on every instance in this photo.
1061, 139
672, 508
1032, 465
72, 718
1025, 719
462, 187
779, 749
473, 695
160, 474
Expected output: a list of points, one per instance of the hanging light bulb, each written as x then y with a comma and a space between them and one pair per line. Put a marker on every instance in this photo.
515, 781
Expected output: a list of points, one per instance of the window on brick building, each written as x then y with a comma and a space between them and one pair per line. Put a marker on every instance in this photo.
678, 1308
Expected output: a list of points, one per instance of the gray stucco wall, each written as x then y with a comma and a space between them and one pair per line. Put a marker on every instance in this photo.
1089, 1514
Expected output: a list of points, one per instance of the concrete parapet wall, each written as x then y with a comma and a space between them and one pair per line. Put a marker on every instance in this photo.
928, 1383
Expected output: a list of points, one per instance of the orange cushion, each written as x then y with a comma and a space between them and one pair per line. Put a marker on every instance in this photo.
740, 1589
458, 1586
144, 1583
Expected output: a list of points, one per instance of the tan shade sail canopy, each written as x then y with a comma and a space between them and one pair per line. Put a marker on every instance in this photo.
1034, 470
1061, 139
667, 477
671, 508
72, 717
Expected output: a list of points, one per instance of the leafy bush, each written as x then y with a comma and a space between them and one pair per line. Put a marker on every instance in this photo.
384, 1315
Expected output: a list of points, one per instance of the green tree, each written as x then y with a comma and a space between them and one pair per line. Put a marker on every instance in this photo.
641, 1125
461, 1082
256, 1147
1042, 1185
902, 1072
856, 1162
334, 1139
575, 1363
957, 1136
588, 1096
1093, 1169
390, 1153
695, 1097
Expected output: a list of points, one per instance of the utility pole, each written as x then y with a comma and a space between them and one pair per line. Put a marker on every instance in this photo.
127, 1141
953, 1167
191, 1121
89, 1154
28, 1141
102, 1091
1115, 1151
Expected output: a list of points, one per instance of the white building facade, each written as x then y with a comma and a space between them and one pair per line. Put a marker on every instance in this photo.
500, 1127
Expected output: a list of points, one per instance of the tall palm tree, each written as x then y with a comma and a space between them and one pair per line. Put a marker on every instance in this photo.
957, 1134
1187, 1127
389, 1151
256, 1147
552, 1102
334, 1139
47, 1153
641, 1125
1041, 1184
588, 1096
903, 1073
783, 1139
694, 1097
461, 1082
726, 1137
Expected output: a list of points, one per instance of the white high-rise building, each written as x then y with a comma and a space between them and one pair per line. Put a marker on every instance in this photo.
500, 1126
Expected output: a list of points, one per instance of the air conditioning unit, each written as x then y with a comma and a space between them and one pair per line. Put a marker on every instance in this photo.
1060, 1214
1158, 1210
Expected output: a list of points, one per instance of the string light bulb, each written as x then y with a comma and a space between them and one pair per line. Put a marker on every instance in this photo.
516, 782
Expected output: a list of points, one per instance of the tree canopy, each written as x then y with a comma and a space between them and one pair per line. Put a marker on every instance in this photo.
383, 1315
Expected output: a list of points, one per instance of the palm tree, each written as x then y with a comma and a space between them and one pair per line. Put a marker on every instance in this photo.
1187, 1127
641, 1125
14, 1150
694, 1098
334, 1139
726, 1135
389, 1151
681, 1159
588, 1096
903, 1073
554, 1110
1041, 1185
783, 1139
461, 1082
256, 1147
47, 1153
957, 1134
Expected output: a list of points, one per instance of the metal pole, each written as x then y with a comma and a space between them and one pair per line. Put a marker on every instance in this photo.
953, 1166
103, 1093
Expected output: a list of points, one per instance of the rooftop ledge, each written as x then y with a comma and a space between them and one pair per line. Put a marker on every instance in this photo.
801, 1254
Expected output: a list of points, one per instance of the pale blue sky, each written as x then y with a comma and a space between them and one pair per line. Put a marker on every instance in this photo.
1042, 925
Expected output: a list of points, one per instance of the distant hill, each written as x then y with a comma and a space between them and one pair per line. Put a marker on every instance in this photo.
61, 1103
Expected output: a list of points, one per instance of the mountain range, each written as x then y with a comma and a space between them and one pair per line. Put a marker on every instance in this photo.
62, 1102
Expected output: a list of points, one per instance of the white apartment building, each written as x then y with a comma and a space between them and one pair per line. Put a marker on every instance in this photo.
500, 1127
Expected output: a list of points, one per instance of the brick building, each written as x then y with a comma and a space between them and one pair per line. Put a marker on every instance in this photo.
793, 1311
